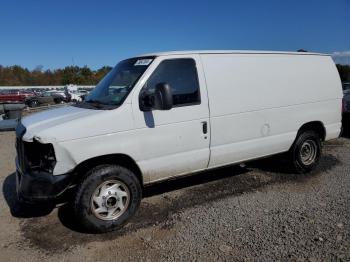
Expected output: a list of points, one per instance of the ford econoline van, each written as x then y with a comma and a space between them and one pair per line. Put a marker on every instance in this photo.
164, 115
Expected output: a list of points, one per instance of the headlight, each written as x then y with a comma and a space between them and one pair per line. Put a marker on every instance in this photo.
39, 157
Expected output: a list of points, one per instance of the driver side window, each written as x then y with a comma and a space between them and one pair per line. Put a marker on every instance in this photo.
181, 75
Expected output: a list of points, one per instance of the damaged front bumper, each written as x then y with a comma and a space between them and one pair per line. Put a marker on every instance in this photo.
40, 186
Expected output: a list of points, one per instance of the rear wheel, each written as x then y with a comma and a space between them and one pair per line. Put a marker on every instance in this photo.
306, 152
107, 197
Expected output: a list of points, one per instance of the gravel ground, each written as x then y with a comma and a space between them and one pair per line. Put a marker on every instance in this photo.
256, 212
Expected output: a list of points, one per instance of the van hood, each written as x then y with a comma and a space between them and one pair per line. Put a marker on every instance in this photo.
36, 123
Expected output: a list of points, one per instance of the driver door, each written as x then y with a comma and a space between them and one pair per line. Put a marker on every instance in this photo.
176, 141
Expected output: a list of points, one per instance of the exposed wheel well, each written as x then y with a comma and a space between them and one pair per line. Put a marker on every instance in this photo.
316, 126
119, 159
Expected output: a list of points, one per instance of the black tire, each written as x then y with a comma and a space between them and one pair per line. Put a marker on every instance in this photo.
34, 103
299, 164
57, 100
93, 179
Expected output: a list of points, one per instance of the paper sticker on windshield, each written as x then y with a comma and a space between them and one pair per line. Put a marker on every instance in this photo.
143, 62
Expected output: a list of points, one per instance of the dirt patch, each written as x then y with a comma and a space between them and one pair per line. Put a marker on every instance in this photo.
260, 211
162, 204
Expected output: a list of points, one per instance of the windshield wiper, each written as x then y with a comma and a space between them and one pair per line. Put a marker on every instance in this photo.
98, 104
95, 103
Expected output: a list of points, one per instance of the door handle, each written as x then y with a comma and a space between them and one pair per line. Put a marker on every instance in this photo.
205, 127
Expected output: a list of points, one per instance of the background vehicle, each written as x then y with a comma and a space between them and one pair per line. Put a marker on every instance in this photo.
346, 105
66, 97
9, 116
11, 111
79, 95
165, 115
46, 98
18, 96
74, 97
83, 93
74, 93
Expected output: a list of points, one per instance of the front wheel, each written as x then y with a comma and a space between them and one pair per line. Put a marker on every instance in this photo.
107, 197
306, 151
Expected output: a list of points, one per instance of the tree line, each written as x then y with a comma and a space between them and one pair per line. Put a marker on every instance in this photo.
19, 76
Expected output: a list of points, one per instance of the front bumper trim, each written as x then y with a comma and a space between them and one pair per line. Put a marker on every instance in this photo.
41, 186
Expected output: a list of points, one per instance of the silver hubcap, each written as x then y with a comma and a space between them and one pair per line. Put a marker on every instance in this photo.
110, 200
308, 152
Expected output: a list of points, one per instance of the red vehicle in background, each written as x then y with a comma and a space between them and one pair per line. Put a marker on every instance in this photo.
15, 96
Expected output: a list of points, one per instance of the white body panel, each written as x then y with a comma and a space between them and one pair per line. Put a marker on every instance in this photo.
254, 104
259, 101
172, 141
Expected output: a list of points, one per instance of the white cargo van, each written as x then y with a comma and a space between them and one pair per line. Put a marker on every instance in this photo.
163, 115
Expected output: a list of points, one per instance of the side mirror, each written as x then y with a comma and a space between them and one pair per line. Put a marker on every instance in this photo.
161, 99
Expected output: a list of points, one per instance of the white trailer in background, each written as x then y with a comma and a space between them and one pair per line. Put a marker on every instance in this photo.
71, 92
71, 88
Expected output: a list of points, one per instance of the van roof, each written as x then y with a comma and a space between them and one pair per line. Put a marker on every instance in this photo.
229, 52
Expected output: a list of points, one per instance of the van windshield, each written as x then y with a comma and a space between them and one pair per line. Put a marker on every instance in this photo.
113, 89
